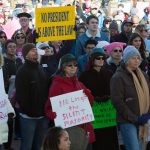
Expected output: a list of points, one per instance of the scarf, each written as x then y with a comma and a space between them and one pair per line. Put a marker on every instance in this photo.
142, 90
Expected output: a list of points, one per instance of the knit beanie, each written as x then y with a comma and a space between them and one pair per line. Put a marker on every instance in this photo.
26, 48
97, 52
102, 44
113, 25
109, 48
65, 59
129, 52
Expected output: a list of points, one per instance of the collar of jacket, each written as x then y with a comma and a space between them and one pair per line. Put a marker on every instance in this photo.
90, 36
31, 63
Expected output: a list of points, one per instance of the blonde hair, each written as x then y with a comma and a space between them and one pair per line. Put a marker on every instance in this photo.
1, 60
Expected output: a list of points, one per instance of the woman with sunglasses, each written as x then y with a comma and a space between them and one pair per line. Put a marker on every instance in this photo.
20, 39
3, 39
114, 51
65, 81
142, 30
97, 79
137, 41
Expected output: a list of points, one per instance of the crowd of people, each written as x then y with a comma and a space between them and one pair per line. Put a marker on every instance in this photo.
109, 59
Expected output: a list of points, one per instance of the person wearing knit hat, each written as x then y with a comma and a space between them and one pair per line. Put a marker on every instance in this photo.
97, 79
31, 95
29, 52
64, 82
109, 48
102, 44
114, 51
131, 98
96, 52
129, 52
65, 60
114, 30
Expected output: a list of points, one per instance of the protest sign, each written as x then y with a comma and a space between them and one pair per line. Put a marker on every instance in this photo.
104, 114
3, 103
72, 109
55, 23
3, 108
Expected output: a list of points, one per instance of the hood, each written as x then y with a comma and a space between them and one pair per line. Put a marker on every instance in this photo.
124, 22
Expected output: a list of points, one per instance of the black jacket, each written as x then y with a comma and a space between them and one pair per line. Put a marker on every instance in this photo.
10, 68
31, 89
97, 82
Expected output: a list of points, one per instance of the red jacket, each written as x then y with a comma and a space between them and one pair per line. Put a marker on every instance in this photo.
61, 85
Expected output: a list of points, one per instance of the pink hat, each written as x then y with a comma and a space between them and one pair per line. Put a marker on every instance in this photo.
111, 46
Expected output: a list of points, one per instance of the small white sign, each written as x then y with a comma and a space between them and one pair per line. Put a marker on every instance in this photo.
72, 109
3, 101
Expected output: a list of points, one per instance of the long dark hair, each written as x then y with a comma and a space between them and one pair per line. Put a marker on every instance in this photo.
142, 48
52, 138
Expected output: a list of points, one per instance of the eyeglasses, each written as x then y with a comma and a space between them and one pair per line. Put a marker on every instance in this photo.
72, 65
94, 8
45, 47
90, 47
24, 19
20, 37
100, 58
3, 37
117, 50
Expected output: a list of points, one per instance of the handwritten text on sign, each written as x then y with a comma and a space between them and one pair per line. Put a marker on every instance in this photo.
72, 109
3, 109
105, 114
55, 23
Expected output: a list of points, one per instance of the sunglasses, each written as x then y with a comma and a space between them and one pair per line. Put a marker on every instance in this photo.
45, 47
72, 65
20, 37
3, 37
100, 58
117, 50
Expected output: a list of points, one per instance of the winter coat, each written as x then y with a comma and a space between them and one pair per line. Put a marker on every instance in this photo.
31, 89
81, 40
110, 65
9, 69
50, 63
61, 85
123, 36
124, 96
97, 82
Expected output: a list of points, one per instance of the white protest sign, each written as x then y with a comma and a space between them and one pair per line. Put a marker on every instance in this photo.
3, 101
72, 109
3, 109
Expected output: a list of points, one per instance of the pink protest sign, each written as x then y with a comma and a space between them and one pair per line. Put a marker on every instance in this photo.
72, 109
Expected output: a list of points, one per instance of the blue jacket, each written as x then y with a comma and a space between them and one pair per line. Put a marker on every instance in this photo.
81, 40
82, 62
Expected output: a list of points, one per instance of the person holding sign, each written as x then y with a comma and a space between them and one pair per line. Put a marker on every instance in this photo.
97, 79
65, 81
130, 96
6, 110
